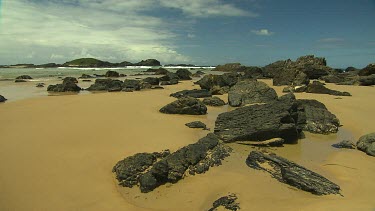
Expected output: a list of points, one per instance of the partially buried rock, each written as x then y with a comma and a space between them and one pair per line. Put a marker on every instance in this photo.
319, 88
151, 80
318, 118
66, 86
2, 99
260, 122
131, 85
106, 85
112, 74
291, 173
249, 92
196, 93
24, 77
185, 105
213, 101
366, 144
226, 202
196, 124
344, 144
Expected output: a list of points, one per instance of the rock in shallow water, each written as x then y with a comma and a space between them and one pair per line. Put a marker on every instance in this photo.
185, 105
366, 144
291, 173
68, 85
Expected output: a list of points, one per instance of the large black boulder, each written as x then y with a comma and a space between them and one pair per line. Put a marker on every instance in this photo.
2, 99
249, 92
70, 79
185, 105
183, 74
253, 72
106, 85
196, 93
227, 79
131, 85
66, 86
290, 173
112, 74
196, 124
318, 118
366, 144
260, 122
151, 80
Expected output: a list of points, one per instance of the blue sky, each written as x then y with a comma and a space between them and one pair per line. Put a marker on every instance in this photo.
209, 32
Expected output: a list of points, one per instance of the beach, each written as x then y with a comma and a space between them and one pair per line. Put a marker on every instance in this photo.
57, 153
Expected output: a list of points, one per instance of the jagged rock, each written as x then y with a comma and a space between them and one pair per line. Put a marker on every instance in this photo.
213, 101
253, 72
196, 124
194, 158
217, 90
151, 80
230, 67
249, 92
169, 77
291, 173
159, 71
148, 62
318, 118
131, 85
260, 122
366, 144
185, 105
70, 79
112, 74
319, 88
290, 76
344, 144
183, 74
2, 99
227, 202
24, 77
67, 86
106, 85
196, 93
86, 76
227, 79
333, 79
368, 70
19, 80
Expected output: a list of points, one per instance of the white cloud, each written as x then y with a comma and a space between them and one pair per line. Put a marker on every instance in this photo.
50, 29
262, 32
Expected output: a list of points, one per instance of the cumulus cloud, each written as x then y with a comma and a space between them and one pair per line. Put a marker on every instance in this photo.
262, 32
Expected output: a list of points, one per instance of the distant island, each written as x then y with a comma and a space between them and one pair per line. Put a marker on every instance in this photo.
87, 62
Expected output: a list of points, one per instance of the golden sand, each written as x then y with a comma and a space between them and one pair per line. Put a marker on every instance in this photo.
57, 153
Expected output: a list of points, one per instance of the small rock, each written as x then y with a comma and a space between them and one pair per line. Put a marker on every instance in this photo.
344, 144
213, 101
196, 124
185, 105
112, 74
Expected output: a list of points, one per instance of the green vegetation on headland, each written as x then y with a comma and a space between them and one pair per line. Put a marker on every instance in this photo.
87, 62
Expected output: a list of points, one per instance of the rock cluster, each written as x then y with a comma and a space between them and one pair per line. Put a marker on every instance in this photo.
68, 85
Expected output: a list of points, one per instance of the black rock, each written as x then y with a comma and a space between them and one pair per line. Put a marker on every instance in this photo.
66, 86
106, 85
249, 92
2, 99
368, 70
24, 77
194, 158
70, 79
196, 93
213, 101
169, 77
159, 71
86, 80
210, 81
131, 84
151, 80
185, 105
290, 76
253, 72
366, 144
86, 76
166, 83
333, 78
319, 88
344, 144
183, 74
318, 118
291, 173
228, 202
278, 119
39, 85
196, 124
112, 74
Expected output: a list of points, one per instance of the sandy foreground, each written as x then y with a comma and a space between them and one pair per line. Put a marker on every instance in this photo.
57, 153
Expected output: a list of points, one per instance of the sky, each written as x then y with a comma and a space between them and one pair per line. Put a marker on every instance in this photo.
202, 32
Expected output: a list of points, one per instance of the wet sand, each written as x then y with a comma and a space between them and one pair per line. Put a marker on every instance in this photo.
57, 153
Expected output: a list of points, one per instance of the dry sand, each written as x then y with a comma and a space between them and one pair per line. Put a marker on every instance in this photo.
57, 153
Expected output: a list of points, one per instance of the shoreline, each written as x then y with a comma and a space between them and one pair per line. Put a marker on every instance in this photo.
63, 160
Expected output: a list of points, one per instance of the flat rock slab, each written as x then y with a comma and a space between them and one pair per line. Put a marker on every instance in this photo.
249, 92
259, 122
291, 173
319, 88
318, 118
226, 202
